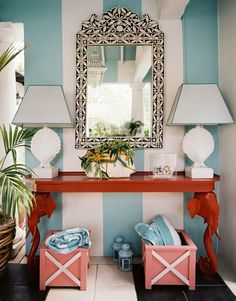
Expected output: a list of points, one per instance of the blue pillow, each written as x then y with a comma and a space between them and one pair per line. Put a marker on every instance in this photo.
160, 232
149, 234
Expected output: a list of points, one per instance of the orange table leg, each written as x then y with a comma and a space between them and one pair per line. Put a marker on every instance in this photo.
205, 205
44, 205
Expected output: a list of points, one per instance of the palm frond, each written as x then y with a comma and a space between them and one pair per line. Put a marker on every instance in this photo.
9, 54
15, 138
13, 189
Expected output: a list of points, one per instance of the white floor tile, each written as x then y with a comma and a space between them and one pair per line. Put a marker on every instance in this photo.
74, 294
109, 260
101, 260
114, 292
105, 283
24, 260
70, 294
110, 274
92, 275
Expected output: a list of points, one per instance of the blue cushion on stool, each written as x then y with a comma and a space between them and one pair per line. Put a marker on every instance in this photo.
160, 232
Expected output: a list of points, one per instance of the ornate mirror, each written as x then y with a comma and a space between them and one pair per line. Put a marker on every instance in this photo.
119, 80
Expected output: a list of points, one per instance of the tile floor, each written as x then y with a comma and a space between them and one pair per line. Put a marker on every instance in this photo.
105, 283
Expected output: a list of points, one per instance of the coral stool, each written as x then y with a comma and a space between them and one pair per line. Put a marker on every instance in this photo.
58, 269
167, 265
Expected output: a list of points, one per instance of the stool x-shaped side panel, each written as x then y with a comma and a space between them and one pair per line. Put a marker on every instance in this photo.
170, 267
62, 268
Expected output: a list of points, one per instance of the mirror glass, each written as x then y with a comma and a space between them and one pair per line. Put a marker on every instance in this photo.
119, 91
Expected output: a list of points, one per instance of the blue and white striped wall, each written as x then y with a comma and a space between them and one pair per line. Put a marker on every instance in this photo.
111, 214
50, 29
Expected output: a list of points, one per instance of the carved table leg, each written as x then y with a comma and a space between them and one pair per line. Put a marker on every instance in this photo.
44, 205
205, 205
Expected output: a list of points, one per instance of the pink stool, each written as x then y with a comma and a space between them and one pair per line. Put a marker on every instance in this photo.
167, 265
58, 269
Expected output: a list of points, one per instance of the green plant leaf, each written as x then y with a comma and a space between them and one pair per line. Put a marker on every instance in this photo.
9, 54
13, 189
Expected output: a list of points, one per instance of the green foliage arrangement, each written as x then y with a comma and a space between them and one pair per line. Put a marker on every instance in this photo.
13, 189
108, 152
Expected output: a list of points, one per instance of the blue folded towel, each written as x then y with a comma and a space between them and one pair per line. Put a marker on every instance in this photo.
68, 240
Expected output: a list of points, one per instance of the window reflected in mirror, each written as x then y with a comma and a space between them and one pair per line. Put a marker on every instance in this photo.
119, 91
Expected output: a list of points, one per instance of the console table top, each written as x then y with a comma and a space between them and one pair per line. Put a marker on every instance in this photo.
138, 182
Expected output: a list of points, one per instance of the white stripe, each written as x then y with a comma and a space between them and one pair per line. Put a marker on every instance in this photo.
85, 210
169, 204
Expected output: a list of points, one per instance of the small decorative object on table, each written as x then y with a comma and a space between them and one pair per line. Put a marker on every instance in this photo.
165, 165
116, 247
112, 159
125, 258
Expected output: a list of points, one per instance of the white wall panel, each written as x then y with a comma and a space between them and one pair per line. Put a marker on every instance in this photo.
85, 210
71, 161
168, 204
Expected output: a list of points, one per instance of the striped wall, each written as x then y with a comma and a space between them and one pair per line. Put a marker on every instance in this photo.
111, 214
200, 30
50, 59
43, 62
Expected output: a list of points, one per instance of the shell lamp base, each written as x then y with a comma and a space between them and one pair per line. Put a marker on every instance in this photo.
199, 172
46, 172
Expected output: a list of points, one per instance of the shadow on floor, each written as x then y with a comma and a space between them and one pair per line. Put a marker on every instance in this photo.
20, 284
207, 289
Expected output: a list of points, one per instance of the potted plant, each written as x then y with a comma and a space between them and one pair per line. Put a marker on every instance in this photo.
111, 159
13, 190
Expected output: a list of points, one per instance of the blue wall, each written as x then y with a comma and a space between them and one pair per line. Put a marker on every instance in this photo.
43, 63
200, 32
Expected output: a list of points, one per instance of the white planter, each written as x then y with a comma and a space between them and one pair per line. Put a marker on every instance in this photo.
114, 170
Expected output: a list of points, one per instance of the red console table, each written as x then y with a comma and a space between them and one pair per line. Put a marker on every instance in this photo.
204, 202
138, 182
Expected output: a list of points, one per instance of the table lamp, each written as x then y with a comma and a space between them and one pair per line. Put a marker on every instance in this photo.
44, 106
199, 104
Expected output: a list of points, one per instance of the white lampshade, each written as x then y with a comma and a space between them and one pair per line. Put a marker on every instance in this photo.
199, 104
43, 105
